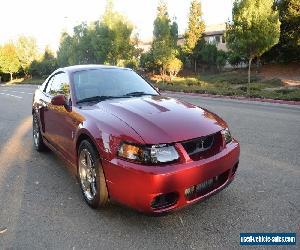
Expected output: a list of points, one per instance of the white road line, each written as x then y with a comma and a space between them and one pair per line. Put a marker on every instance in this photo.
11, 95
20, 92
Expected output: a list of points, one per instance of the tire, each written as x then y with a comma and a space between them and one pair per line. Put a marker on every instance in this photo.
91, 176
36, 135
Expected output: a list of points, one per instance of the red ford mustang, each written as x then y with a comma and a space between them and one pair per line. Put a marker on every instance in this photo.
128, 143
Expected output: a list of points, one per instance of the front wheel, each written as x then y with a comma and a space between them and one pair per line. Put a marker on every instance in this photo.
36, 135
91, 176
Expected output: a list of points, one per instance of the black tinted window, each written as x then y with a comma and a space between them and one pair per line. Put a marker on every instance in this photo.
109, 82
223, 39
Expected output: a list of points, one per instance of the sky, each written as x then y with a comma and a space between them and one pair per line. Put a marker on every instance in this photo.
46, 19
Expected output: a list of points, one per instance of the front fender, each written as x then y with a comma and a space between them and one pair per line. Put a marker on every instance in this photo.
106, 132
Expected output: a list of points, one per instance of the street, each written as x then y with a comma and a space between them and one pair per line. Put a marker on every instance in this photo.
41, 206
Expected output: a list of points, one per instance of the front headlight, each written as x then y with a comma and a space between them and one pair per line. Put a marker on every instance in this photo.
154, 154
226, 135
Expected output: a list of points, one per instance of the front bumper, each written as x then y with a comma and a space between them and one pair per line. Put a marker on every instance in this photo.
138, 186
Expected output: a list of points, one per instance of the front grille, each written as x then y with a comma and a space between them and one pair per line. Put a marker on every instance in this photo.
206, 187
203, 147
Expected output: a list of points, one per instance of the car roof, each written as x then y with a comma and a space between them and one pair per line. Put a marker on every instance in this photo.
74, 68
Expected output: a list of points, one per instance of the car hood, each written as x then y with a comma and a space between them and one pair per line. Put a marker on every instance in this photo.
159, 119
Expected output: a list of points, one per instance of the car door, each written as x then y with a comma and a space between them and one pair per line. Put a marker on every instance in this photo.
49, 124
44, 101
59, 125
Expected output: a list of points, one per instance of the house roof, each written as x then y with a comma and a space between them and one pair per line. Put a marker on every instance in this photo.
213, 33
215, 29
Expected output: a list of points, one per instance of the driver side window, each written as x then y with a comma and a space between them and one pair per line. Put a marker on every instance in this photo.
59, 85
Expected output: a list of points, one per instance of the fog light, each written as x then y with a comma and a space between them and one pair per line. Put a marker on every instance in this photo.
164, 200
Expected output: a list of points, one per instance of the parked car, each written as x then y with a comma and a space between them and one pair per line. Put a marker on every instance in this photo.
127, 142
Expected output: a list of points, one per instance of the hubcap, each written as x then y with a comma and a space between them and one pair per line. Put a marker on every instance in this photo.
87, 174
36, 132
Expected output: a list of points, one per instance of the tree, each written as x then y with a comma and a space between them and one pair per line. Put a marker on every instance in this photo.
255, 28
165, 35
102, 42
288, 48
162, 39
289, 11
117, 33
65, 56
82, 47
27, 52
196, 27
174, 32
9, 61
45, 65
108, 41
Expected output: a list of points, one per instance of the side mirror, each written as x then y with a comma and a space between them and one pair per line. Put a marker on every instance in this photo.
58, 100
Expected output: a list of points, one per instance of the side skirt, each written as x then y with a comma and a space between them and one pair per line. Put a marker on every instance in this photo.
70, 165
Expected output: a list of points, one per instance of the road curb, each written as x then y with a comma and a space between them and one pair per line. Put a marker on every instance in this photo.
19, 85
242, 98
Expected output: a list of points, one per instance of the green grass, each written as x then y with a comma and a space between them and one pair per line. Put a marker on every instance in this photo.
232, 83
231, 77
34, 81
282, 94
37, 81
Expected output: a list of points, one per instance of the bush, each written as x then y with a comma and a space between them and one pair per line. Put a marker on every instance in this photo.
173, 67
132, 63
221, 59
43, 68
209, 55
147, 61
234, 59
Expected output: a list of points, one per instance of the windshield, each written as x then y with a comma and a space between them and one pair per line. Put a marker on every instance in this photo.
110, 82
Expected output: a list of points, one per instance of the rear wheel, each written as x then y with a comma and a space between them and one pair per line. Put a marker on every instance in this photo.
36, 134
91, 176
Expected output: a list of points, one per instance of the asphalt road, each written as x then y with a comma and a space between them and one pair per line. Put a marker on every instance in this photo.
41, 206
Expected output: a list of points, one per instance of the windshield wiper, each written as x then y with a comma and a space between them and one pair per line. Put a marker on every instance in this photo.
138, 93
103, 98
98, 98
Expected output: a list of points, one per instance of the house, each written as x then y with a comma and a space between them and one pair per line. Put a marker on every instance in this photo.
145, 45
213, 34
216, 34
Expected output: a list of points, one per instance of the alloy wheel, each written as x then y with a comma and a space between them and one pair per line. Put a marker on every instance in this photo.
36, 132
87, 174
